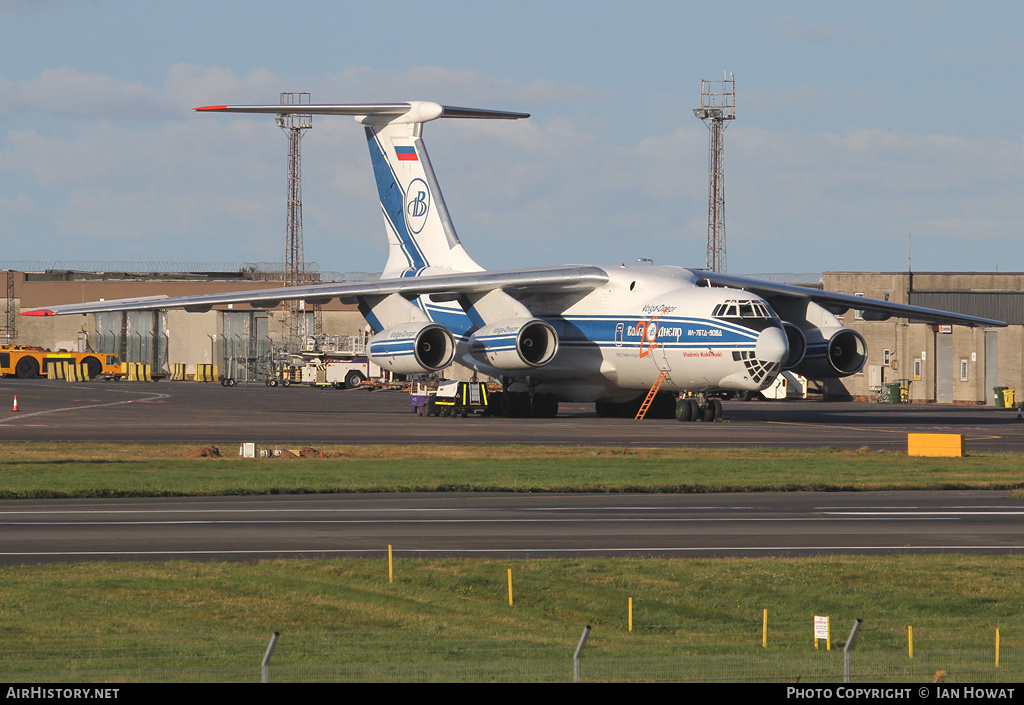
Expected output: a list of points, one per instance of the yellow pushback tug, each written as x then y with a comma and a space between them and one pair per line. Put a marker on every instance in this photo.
27, 361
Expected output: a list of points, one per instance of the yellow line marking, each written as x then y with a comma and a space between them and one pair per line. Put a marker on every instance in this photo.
857, 428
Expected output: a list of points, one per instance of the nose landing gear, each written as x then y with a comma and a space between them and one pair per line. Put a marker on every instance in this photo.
699, 408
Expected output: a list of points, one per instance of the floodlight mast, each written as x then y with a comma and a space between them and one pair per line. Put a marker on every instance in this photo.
717, 107
294, 127
10, 331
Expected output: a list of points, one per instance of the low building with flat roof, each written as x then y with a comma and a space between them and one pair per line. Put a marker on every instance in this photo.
943, 364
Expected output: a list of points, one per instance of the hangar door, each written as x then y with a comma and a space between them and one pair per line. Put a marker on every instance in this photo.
137, 336
944, 368
991, 365
247, 353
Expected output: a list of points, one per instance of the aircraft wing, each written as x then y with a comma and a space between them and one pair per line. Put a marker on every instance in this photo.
874, 309
544, 280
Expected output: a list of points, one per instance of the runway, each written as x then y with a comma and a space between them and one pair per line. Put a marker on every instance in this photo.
252, 528
510, 525
188, 412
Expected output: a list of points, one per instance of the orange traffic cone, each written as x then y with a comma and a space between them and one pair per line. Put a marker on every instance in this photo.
15, 404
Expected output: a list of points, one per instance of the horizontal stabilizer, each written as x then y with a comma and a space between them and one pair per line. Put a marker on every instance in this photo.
412, 111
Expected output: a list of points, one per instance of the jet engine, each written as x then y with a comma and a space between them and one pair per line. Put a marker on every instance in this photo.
515, 344
413, 348
797, 345
832, 352
820, 347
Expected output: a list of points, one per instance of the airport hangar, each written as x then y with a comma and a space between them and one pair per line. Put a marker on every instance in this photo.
952, 365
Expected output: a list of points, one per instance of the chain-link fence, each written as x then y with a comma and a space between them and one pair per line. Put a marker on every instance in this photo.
610, 655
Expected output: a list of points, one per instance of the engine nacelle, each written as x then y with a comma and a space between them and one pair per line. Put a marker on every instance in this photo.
831, 353
515, 344
413, 348
797, 345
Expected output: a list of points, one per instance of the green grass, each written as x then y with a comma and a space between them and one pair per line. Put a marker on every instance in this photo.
120, 470
142, 621
449, 619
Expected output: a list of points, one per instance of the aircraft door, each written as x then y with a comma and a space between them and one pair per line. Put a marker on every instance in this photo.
661, 358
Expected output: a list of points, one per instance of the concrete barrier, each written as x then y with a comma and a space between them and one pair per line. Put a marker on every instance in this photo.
68, 371
205, 372
138, 372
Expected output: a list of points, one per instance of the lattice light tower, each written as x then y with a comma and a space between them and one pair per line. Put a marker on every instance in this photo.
294, 127
717, 108
10, 330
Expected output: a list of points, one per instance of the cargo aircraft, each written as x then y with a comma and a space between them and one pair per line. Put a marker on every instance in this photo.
576, 333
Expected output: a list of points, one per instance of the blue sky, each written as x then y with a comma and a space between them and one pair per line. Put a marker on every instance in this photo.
858, 124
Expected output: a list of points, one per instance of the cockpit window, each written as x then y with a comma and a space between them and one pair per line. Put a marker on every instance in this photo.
743, 309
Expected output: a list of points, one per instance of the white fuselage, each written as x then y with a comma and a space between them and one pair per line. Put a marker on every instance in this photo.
617, 339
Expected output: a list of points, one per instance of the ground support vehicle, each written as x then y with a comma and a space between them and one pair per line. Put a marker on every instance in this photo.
787, 386
419, 398
27, 362
340, 374
453, 399
282, 373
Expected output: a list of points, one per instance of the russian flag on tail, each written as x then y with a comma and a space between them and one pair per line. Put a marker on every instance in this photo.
406, 154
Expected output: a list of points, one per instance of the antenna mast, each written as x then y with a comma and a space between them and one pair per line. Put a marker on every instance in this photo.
717, 107
294, 127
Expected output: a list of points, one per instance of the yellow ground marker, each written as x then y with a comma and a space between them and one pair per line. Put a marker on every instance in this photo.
949, 445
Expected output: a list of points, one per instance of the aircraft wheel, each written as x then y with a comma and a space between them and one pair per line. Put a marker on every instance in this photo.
686, 410
707, 412
716, 404
545, 406
664, 406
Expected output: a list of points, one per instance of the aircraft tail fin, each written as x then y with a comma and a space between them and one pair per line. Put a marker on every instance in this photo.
421, 236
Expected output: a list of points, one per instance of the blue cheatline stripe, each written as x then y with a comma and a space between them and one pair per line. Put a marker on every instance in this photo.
600, 330
669, 322
392, 202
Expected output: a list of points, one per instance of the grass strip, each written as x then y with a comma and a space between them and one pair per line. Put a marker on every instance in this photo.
40, 470
134, 621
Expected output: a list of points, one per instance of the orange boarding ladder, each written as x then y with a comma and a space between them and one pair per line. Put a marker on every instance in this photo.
650, 395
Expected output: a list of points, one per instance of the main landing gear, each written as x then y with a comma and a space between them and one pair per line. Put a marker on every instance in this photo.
699, 408
528, 404
518, 405
666, 406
